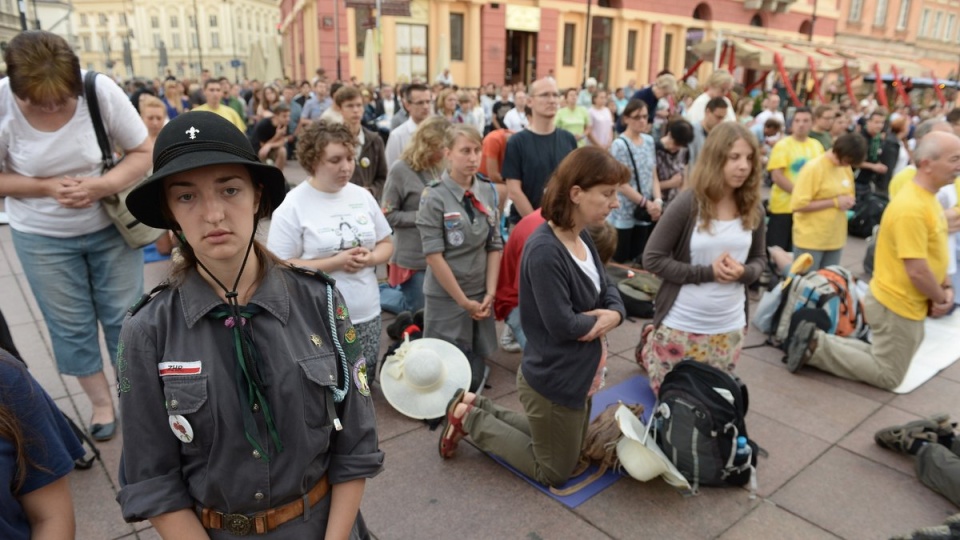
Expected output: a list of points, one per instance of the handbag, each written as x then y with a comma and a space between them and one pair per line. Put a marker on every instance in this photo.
135, 234
640, 213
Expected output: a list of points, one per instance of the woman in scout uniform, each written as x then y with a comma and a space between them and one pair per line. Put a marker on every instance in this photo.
244, 402
458, 221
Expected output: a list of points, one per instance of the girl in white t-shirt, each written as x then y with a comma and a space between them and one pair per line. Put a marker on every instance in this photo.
330, 224
707, 247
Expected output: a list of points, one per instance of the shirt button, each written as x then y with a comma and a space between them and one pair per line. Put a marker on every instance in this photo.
258, 496
256, 407
174, 404
256, 454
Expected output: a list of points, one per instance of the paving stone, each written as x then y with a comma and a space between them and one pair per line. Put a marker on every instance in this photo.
934, 396
790, 451
16, 310
770, 521
803, 403
952, 373
856, 498
419, 495
629, 509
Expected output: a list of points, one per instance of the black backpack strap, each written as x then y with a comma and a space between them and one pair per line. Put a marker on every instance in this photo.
93, 105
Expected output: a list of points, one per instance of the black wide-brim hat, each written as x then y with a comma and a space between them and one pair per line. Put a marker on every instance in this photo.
198, 139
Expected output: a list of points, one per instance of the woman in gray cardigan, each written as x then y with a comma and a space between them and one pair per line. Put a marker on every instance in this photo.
420, 164
568, 306
708, 247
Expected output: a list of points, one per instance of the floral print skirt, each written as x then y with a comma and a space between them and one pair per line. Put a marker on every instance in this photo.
666, 347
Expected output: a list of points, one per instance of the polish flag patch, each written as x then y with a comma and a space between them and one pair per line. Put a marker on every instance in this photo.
179, 368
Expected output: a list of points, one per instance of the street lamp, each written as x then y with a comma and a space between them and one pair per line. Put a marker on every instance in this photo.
196, 29
235, 61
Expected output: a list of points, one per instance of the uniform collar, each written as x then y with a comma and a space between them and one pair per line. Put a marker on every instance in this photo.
453, 186
198, 297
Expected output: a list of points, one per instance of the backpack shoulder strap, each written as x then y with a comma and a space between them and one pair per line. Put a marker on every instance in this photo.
93, 105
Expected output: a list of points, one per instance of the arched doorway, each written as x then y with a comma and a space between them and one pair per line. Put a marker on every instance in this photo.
806, 28
757, 20
696, 34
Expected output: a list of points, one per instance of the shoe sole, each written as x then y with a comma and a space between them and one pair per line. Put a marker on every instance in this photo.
797, 355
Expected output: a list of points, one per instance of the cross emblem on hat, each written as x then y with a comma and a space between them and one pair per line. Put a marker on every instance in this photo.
192, 132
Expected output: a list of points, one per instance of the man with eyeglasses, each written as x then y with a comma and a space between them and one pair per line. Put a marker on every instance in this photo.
534, 153
416, 99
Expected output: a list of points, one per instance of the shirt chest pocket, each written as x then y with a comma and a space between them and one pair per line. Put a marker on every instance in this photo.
454, 228
186, 396
318, 378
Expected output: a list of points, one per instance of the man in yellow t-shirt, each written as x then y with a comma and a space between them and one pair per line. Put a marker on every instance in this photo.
906, 176
909, 284
213, 93
786, 159
821, 197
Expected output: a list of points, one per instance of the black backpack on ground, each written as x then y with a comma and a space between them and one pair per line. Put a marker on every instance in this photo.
700, 414
866, 214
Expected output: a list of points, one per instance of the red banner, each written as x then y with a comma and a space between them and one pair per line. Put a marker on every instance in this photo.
881, 88
777, 59
936, 88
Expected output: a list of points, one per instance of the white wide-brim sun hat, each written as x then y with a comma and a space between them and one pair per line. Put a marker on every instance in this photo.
420, 377
639, 454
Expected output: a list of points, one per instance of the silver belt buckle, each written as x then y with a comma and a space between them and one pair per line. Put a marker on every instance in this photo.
237, 524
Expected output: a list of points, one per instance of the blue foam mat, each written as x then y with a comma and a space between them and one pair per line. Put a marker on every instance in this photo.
633, 390
150, 254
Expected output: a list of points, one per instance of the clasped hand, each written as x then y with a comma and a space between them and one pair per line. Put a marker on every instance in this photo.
355, 259
607, 320
726, 269
76, 192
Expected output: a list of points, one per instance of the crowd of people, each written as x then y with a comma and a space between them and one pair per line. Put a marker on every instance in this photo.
424, 182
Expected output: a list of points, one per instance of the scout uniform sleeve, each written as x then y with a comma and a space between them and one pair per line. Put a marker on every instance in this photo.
430, 221
355, 450
494, 239
151, 482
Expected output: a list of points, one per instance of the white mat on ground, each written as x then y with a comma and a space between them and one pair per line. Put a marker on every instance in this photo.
940, 348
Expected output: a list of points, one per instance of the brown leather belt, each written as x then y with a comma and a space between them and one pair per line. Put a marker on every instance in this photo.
263, 522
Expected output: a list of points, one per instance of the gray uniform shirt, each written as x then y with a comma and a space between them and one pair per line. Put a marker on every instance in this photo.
219, 468
445, 227
401, 199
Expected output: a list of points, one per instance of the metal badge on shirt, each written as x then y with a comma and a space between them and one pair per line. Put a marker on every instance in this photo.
453, 228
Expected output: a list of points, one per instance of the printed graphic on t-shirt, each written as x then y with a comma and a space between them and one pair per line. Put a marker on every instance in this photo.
348, 227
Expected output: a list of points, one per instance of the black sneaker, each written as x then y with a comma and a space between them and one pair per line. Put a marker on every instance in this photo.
801, 346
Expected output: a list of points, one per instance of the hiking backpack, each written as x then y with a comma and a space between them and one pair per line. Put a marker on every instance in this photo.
699, 416
866, 214
828, 298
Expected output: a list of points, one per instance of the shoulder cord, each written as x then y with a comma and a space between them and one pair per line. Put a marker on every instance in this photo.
338, 393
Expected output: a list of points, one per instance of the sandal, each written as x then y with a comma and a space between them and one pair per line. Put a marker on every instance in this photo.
645, 333
454, 431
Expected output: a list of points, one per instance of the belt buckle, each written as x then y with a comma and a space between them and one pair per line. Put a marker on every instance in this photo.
237, 524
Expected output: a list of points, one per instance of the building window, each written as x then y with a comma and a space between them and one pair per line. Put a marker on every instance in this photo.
105, 44
937, 27
569, 34
83, 20
880, 15
362, 19
456, 36
193, 40
924, 21
174, 22
191, 21
667, 50
154, 22
856, 9
176, 40
215, 40
411, 53
86, 43
951, 21
156, 41
631, 49
103, 19
904, 15
213, 21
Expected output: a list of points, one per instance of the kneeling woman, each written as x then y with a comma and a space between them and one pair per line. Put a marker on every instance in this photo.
708, 247
244, 402
568, 306
458, 223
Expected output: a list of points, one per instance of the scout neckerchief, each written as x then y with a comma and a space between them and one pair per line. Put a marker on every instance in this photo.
474, 203
873, 153
250, 387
